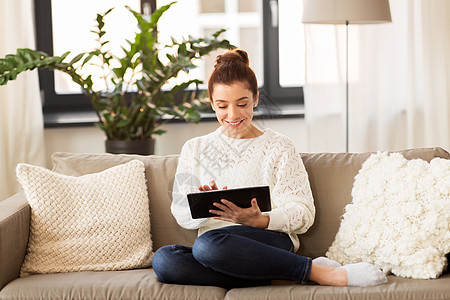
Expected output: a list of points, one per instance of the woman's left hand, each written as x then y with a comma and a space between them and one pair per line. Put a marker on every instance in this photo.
251, 216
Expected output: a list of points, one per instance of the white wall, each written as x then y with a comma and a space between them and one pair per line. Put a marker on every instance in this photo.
91, 139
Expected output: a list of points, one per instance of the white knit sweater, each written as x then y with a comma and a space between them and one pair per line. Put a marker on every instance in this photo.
270, 159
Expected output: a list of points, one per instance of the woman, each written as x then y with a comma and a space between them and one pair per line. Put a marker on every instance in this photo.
244, 247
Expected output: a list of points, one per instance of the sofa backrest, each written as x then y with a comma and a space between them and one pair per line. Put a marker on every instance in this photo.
331, 177
160, 173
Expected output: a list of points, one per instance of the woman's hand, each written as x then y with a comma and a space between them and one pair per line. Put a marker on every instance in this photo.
212, 186
251, 216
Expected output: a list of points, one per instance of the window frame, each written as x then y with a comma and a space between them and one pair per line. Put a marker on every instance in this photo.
278, 94
62, 110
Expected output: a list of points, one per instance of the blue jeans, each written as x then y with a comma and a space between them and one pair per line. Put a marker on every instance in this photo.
230, 257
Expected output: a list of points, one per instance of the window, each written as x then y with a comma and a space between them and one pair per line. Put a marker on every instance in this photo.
270, 31
80, 39
281, 54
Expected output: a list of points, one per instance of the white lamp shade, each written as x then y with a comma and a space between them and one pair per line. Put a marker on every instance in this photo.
342, 11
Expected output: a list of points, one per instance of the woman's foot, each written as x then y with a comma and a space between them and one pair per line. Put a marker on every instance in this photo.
358, 274
364, 274
326, 275
323, 261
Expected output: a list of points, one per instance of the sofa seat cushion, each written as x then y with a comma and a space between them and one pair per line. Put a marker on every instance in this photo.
396, 288
128, 284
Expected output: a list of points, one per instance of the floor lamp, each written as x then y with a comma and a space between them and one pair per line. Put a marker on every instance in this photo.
346, 12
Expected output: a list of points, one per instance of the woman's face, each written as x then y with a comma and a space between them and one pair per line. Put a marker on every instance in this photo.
233, 105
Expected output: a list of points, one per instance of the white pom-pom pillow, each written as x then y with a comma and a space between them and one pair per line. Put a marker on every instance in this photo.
399, 218
95, 222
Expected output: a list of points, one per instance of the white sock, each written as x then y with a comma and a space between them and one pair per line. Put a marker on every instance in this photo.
364, 274
323, 261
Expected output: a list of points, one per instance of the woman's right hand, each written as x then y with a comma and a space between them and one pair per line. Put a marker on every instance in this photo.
212, 186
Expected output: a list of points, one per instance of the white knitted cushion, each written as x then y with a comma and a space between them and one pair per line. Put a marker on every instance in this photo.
97, 221
399, 218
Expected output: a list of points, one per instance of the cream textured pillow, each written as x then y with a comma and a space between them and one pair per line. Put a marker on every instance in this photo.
97, 221
399, 218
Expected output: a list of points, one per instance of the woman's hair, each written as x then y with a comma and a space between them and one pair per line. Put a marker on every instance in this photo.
230, 67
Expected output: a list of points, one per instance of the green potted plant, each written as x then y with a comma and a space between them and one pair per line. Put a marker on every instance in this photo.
134, 103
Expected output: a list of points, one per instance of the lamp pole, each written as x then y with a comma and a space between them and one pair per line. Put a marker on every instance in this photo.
354, 12
346, 86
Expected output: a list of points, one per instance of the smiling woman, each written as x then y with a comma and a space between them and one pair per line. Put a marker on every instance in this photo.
242, 247
234, 105
234, 94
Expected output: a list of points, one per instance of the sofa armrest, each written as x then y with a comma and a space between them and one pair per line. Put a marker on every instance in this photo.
14, 231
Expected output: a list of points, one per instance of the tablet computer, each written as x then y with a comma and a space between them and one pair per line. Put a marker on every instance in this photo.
200, 203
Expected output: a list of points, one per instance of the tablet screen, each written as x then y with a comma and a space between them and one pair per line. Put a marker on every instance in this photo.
200, 203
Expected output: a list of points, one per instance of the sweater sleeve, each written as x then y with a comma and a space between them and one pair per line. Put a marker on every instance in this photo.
292, 199
185, 182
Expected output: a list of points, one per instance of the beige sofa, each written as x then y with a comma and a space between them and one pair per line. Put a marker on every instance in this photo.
331, 177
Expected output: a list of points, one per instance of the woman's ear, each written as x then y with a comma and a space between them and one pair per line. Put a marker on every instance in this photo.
212, 104
256, 100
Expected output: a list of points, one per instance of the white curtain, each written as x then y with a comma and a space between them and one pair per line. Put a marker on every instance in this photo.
21, 122
399, 81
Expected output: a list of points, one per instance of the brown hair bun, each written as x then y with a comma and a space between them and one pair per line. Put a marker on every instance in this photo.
230, 67
232, 56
